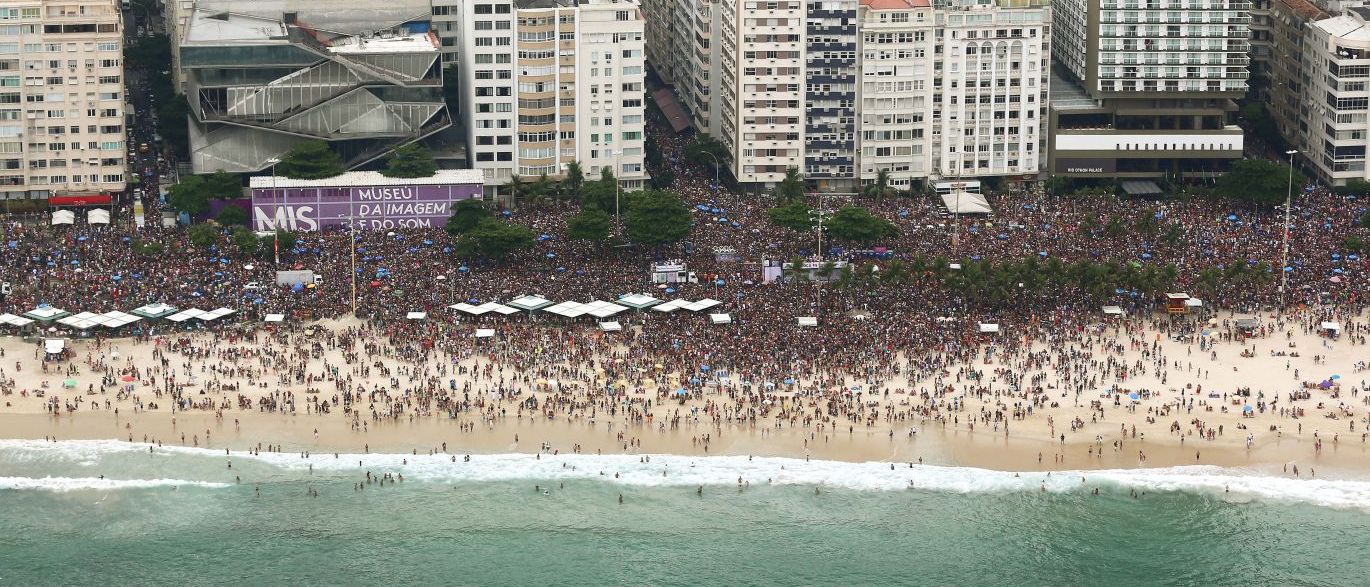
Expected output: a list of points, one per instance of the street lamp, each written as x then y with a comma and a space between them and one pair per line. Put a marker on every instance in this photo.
618, 184
817, 216
716, 166
275, 205
1288, 201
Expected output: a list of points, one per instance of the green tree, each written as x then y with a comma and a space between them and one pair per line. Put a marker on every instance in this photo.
310, 160
172, 122
591, 224
152, 52
222, 185
1353, 187
662, 178
203, 235
707, 150
246, 241
1257, 181
858, 225
232, 216
541, 188
881, 186
145, 248
654, 218
792, 187
573, 179
795, 216
599, 194
513, 189
1263, 125
412, 160
1353, 244
191, 196
285, 239
494, 239
1365, 219
466, 215
451, 87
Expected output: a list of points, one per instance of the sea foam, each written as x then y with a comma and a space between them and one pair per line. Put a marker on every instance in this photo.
1232, 484
65, 484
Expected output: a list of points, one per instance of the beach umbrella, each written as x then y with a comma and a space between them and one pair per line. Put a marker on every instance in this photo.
1133, 396
127, 378
299, 287
69, 383
1247, 409
681, 391
1336, 377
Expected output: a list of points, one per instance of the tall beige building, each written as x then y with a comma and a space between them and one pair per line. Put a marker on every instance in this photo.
62, 135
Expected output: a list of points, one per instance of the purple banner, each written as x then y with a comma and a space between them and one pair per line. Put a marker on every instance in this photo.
372, 207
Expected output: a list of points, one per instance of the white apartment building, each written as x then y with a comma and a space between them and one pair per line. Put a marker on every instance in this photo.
762, 81
953, 90
550, 82
62, 135
1336, 67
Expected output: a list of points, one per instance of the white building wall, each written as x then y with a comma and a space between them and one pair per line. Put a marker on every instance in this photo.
486, 68
611, 91
763, 84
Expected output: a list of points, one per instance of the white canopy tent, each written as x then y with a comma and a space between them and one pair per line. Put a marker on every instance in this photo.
720, 318
497, 308
1194, 303
82, 321
97, 216
1113, 310
989, 328
808, 321
670, 306
530, 303
610, 326
416, 316
568, 309
485, 333
13, 320
156, 310
46, 313
638, 301
603, 309
462, 307
1330, 327
63, 217
701, 305
54, 346
964, 202
275, 318
186, 314
216, 314
116, 319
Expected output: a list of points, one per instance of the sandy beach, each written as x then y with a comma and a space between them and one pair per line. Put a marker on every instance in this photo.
976, 419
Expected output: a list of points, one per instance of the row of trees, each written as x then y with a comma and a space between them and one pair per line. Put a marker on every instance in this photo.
850, 223
1006, 281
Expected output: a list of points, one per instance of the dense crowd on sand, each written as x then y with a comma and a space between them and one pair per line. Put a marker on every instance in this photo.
915, 355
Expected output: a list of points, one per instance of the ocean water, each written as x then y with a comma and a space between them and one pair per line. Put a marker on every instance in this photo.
181, 516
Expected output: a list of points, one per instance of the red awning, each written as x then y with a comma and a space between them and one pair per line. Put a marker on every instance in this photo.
81, 200
675, 114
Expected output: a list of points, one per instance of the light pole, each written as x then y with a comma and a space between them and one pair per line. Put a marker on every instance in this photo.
716, 165
1288, 203
276, 206
817, 216
618, 184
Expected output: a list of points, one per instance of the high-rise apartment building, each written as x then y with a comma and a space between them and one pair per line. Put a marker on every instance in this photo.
1335, 104
62, 134
830, 59
1155, 83
762, 80
549, 82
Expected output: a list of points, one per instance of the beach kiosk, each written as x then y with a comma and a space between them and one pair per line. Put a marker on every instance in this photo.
1330, 329
1176, 303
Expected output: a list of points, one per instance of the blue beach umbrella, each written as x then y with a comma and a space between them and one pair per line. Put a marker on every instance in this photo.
1247, 409
1133, 396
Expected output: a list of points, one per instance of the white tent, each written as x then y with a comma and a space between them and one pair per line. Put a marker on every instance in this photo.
45, 313
703, 304
462, 307
63, 217
81, 322
53, 346
275, 318
186, 314
156, 310
1194, 303
530, 303
989, 328
638, 301
1113, 310
497, 308
567, 309
721, 318
485, 333
97, 216
416, 316
966, 203
216, 314
13, 320
671, 306
1330, 327
603, 309
116, 319
808, 321
610, 326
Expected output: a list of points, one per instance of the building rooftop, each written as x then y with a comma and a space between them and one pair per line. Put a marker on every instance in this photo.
1068, 95
538, 4
403, 43
348, 17
1304, 9
215, 26
1346, 27
895, 4
371, 178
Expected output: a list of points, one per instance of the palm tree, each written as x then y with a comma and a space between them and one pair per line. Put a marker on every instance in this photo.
791, 188
881, 187
572, 179
514, 185
795, 271
896, 272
